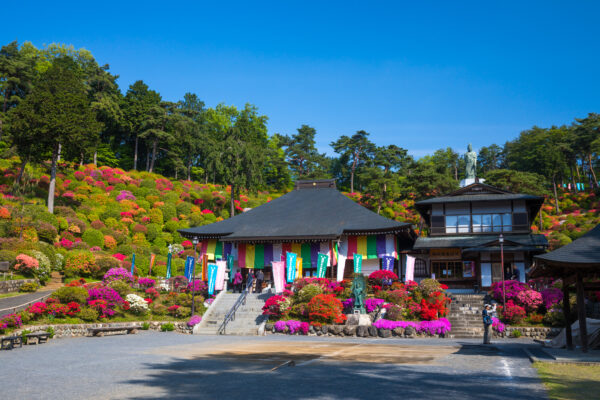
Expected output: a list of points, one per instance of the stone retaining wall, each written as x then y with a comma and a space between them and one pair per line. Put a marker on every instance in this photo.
356, 331
14, 285
539, 333
76, 330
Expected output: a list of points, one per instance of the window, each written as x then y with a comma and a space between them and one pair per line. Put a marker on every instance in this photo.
507, 222
451, 223
464, 223
479, 223
447, 269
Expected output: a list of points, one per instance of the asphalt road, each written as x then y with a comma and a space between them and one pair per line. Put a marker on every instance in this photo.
157, 365
8, 303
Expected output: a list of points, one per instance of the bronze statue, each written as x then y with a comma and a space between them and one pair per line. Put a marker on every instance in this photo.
471, 158
359, 292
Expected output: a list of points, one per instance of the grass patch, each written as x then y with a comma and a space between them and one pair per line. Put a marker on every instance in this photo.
570, 381
12, 294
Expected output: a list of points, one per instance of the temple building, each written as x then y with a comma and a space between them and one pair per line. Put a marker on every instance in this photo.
311, 219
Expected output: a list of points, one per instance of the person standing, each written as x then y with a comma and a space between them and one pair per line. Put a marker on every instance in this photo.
237, 282
260, 277
487, 323
249, 280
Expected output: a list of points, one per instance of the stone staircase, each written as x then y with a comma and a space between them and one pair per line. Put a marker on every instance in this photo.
55, 281
248, 317
465, 315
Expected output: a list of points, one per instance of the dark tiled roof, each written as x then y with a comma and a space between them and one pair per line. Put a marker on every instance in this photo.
583, 251
441, 242
309, 213
480, 197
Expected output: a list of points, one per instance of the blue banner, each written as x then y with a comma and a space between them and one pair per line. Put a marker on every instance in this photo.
132, 263
387, 263
169, 257
190, 262
322, 261
186, 271
357, 263
290, 262
212, 278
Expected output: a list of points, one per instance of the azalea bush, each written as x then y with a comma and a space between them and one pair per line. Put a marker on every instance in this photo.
513, 313
292, 326
440, 326
276, 306
118, 274
325, 309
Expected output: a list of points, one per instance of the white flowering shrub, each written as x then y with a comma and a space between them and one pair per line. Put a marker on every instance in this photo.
137, 304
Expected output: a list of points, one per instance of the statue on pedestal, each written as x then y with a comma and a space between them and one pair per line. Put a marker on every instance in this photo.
359, 292
471, 159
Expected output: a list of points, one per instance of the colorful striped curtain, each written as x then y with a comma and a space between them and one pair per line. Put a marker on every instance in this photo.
242, 255
210, 249
250, 253
219, 251
259, 256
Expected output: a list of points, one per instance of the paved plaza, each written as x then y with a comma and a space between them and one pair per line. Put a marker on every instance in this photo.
155, 365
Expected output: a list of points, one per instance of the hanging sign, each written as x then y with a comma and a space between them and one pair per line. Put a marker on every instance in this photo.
279, 275
169, 257
387, 263
357, 263
230, 266
322, 261
221, 267
212, 278
290, 262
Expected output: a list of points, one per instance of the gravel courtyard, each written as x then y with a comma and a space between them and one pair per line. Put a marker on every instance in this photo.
156, 365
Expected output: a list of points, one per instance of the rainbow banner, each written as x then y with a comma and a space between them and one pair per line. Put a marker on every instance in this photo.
322, 262
290, 261
212, 278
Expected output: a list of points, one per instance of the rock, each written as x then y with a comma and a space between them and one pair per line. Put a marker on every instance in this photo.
398, 331
311, 329
350, 330
269, 327
410, 331
362, 331
385, 333
372, 331
336, 329
325, 329
319, 333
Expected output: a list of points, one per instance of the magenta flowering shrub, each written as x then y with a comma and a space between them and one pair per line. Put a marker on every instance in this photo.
372, 304
11, 321
497, 325
194, 320
293, 326
436, 327
513, 288
530, 299
110, 295
551, 296
125, 195
118, 274
146, 282
348, 303
199, 286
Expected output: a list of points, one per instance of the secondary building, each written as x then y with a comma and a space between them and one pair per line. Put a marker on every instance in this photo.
477, 235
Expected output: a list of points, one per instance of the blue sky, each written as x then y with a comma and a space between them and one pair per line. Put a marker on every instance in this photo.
421, 76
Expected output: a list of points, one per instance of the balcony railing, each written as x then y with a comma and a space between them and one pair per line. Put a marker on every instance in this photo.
479, 230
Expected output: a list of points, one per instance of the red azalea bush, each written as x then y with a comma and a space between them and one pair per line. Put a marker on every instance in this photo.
325, 309
513, 314
152, 293
276, 305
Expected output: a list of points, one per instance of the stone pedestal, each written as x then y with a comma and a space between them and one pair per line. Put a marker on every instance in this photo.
470, 181
358, 319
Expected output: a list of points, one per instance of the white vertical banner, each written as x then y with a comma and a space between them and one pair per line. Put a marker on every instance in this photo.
324, 249
221, 267
342, 255
234, 251
390, 245
279, 275
410, 269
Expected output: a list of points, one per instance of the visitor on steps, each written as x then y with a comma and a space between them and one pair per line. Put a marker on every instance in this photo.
487, 322
260, 277
237, 282
249, 280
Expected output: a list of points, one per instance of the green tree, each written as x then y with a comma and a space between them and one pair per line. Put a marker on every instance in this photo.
157, 128
490, 158
357, 149
302, 155
517, 181
587, 132
57, 112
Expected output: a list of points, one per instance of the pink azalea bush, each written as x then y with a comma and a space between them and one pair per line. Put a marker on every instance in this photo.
117, 274
26, 264
293, 326
439, 326
551, 296
530, 299
194, 320
372, 304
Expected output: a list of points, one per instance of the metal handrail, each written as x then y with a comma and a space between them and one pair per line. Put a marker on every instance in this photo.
231, 314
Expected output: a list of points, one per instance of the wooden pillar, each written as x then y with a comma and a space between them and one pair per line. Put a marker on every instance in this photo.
567, 314
581, 313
